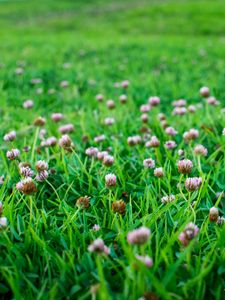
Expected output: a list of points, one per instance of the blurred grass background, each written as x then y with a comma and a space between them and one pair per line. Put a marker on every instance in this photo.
165, 47
113, 18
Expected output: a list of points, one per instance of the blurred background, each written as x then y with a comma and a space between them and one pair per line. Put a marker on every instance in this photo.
172, 47
101, 19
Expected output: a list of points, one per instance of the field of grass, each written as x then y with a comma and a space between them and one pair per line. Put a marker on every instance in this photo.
80, 49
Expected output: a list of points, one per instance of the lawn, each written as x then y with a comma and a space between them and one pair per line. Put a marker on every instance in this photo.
154, 227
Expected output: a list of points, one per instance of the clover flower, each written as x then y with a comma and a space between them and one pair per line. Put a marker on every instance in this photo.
28, 104
10, 136
108, 160
138, 236
42, 176
169, 145
154, 100
193, 184
110, 180
91, 151
41, 165
119, 207
26, 186
13, 154
99, 97
200, 150
67, 128
168, 198
146, 260
213, 214
204, 91
83, 202
189, 233
123, 99
149, 163
110, 104
171, 131
158, 172
56, 117
98, 246
185, 166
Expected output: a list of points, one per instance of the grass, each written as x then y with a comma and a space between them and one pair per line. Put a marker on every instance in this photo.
164, 48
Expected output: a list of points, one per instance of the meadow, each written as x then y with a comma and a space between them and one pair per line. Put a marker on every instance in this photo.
112, 152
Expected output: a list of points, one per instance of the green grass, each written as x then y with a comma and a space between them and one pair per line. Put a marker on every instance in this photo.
164, 48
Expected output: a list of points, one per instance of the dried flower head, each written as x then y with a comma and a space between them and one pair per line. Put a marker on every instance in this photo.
213, 214
158, 172
39, 121
27, 186
119, 207
83, 202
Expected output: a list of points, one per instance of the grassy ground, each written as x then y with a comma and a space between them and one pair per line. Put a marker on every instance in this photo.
164, 48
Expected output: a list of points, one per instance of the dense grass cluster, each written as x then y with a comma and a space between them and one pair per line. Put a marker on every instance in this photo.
112, 154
